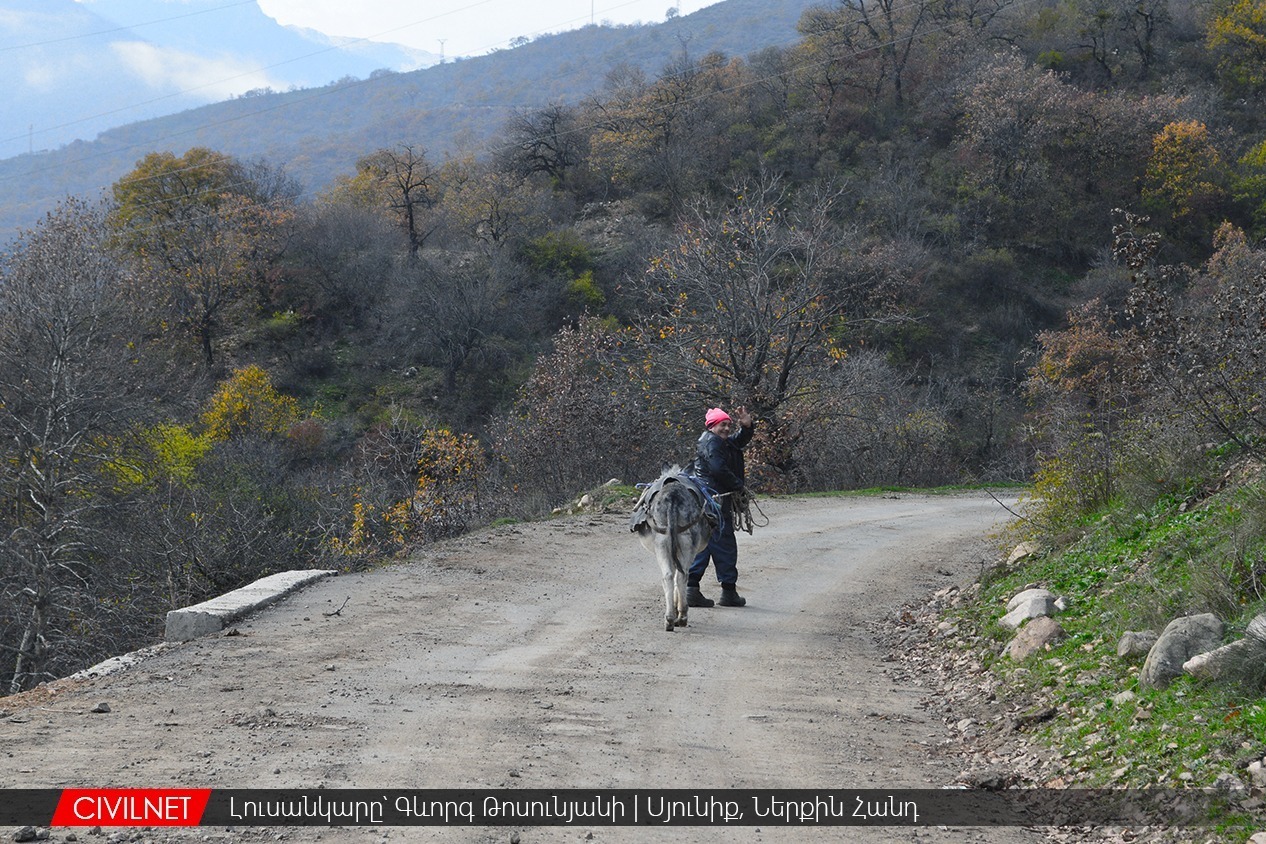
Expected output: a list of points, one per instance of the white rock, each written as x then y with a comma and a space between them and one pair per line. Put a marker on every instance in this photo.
1024, 549
1040, 607
1229, 783
1027, 595
1257, 773
1217, 664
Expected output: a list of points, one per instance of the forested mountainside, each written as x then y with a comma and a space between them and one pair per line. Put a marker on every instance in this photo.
450, 109
923, 242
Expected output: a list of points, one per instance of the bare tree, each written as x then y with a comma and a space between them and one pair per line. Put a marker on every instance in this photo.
342, 257
669, 135
64, 364
406, 180
579, 402
753, 300
549, 141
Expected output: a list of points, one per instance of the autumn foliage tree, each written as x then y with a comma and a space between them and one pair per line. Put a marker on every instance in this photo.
447, 499
1185, 174
1079, 389
664, 137
1237, 36
205, 229
248, 404
442, 495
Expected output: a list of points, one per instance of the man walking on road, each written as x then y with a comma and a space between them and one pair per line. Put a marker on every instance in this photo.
719, 466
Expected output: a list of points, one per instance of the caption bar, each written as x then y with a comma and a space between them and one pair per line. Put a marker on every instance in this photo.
607, 807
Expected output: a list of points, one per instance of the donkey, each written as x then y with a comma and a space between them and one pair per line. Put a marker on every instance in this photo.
671, 519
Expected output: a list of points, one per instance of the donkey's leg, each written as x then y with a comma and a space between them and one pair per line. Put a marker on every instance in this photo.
679, 596
668, 575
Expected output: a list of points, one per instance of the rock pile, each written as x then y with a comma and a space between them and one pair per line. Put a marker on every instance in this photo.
989, 732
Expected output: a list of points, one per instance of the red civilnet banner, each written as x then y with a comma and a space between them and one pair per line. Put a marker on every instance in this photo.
131, 806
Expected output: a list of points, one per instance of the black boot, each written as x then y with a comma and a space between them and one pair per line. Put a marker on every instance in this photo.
730, 596
695, 598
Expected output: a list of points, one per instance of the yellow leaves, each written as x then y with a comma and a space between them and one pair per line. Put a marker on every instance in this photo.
449, 469
177, 450
834, 350
1183, 172
247, 403
448, 482
1238, 35
167, 452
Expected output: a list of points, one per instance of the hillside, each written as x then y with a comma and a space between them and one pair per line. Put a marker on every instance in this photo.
318, 133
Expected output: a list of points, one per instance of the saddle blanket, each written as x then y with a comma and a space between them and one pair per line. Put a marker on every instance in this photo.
711, 507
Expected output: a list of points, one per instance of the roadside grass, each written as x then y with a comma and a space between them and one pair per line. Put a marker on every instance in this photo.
608, 496
1137, 570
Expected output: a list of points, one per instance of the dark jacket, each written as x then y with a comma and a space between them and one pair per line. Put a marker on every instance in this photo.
719, 462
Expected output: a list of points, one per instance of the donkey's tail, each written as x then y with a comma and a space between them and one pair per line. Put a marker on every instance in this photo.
674, 543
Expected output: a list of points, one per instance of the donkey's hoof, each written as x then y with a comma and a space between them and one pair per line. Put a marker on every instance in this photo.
669, 626
681, 622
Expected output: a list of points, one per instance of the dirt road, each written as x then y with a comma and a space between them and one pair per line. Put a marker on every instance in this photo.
533, 656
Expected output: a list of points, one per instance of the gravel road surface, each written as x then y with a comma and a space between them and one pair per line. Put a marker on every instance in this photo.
533, 656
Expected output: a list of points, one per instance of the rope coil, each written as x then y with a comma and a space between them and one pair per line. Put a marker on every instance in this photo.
741, 503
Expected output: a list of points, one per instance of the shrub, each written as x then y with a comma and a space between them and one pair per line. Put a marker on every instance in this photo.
447, 497
247, 403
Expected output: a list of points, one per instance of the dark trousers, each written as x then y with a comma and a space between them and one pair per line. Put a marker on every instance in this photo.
722, 551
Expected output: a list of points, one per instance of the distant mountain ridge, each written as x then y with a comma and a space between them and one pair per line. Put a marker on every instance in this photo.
79, 68
317, 134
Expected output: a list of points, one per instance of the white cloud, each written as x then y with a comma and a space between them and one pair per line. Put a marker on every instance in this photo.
41, 78
208, 78
42, 73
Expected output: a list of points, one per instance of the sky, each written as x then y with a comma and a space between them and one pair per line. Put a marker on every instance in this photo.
464, 27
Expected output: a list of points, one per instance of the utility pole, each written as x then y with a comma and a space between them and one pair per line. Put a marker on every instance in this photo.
442, 40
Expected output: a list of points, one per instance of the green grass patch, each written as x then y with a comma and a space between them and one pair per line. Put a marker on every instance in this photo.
1137, 571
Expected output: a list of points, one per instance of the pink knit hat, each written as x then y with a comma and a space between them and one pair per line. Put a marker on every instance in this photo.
714, 416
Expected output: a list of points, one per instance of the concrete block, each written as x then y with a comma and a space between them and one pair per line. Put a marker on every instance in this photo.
214, 615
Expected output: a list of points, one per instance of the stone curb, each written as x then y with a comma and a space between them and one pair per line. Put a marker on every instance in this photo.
214, 615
